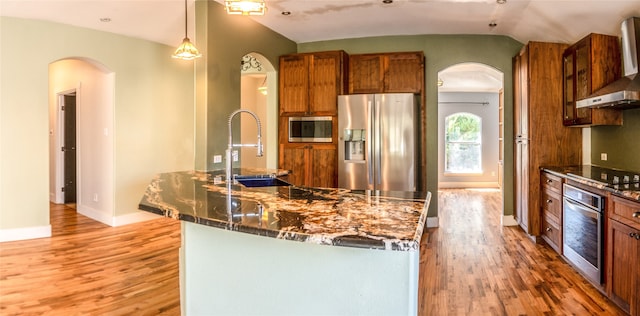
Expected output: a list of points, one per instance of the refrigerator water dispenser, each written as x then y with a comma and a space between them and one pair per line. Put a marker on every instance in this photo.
354, 144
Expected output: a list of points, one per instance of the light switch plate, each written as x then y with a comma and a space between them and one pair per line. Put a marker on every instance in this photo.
603, 156
217, 159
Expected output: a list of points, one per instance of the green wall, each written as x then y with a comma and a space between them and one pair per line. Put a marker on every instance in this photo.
229, 38
621, 143
442, 51
153, 113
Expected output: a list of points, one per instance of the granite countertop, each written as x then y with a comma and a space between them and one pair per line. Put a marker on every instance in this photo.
327, 216
601, 178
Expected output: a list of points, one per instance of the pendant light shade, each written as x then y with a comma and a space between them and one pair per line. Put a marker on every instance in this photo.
246, 7
186, 50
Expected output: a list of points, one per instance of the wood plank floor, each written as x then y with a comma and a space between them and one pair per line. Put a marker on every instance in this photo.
470, 265
88, 268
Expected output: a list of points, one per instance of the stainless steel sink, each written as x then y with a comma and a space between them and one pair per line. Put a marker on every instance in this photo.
262, 182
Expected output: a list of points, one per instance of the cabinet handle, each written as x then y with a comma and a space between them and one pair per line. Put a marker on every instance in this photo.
549, 180
548, 229
636, 215
549, 201
633, 235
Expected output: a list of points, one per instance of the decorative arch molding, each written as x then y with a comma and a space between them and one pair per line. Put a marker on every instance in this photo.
258, 72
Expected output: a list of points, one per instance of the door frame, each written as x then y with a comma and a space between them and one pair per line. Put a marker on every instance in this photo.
58, 131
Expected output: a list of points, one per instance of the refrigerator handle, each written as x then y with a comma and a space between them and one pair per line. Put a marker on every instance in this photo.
378, 145
369, 141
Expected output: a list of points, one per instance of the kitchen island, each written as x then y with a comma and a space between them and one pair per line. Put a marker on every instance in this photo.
288, 250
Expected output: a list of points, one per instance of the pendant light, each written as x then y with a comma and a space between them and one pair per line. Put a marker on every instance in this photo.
245, 7
186, 50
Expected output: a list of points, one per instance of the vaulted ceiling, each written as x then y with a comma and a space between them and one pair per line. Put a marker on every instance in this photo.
314, 20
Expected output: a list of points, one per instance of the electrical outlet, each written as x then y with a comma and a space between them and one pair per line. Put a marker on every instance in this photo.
217, 158
603, 156
235, 155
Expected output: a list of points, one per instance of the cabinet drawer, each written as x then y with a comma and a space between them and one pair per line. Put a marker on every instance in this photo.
625, 211
551, 182
551, 204
551, 233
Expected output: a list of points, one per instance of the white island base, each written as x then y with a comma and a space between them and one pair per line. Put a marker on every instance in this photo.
225, 272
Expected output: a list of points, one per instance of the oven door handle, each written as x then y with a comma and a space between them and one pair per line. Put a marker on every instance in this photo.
581, 208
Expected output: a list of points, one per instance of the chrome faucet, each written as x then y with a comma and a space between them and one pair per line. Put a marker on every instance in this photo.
230, 146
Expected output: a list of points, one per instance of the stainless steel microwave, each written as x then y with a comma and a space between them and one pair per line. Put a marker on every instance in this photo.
311, 129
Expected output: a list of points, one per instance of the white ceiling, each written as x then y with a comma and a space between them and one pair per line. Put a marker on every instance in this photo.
314, 20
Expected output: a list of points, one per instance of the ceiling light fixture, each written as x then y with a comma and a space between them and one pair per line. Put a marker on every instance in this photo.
105, 20
501, 1
245, 7
286, 12
493, 24
387, 1
186, 50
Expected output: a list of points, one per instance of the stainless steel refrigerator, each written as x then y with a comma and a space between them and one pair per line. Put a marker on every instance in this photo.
378, 141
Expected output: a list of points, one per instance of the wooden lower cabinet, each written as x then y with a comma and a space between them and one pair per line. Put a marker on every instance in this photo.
551, 210
623, 251
310, 165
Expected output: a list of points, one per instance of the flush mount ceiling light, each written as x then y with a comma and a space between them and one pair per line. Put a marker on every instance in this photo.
186, 50
246, 7
501, 1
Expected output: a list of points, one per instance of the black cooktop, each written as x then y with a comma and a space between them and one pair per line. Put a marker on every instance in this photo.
614, 178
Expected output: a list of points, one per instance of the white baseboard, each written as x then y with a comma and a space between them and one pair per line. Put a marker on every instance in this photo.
113, 221
14, 234
508, 220
432, 222
131, 218
95, 214
465, 185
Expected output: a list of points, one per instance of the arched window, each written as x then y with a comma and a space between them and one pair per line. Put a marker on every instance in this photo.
463, 143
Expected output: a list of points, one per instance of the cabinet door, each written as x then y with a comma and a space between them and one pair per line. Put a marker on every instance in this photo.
521, 164
366, 73
569, 108
622, 257
323, 160
293, 158
294, 84
404, 73
325, 83
583, 80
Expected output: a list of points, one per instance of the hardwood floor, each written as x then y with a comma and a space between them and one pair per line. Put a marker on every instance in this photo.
470, 265
88, 268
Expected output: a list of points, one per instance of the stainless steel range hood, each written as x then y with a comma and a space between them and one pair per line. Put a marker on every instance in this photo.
625, 92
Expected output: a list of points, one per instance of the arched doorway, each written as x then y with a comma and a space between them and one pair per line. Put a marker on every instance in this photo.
258, 93
475, 89
91, 85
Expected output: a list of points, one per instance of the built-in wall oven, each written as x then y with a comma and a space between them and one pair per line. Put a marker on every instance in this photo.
582, 231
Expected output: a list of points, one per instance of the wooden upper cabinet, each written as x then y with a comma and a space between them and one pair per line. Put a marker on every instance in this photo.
387, 72
310, 83
294, 83
366, 73
405, 73
589, 65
